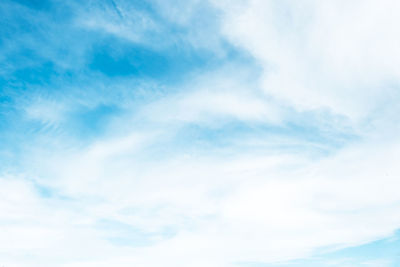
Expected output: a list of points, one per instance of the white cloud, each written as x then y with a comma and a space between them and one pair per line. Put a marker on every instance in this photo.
341, 55
245, 207
211, 97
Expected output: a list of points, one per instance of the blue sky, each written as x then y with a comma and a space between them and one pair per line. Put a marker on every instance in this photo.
199, 133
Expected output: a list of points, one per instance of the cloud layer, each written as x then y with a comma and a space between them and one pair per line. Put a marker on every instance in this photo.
198, 133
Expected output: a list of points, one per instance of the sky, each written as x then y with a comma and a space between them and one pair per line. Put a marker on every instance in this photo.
199, 133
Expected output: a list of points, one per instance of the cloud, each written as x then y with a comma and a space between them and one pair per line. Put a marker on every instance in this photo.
223, 208
340, 55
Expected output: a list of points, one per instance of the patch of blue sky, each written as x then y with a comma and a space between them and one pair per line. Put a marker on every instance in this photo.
35, 4
89, 71
382, 253
31, 38
109, 55
44, 191
89, 122
37, 39
35, 74
115, 57
38, 49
